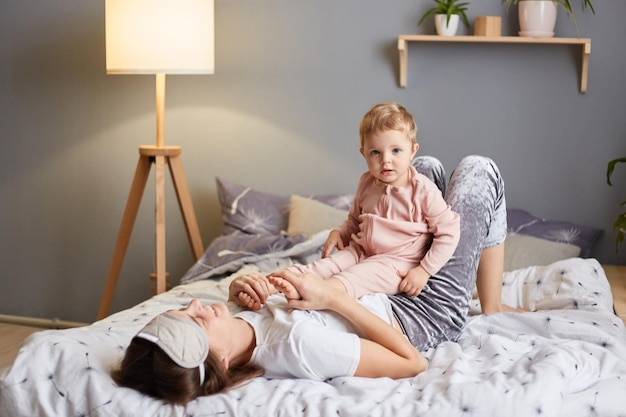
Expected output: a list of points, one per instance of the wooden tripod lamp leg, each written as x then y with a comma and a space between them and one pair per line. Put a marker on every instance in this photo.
160, 225
159, 158
186, 207
128, 221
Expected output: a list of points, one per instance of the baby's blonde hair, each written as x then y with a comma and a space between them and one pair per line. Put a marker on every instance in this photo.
388, 116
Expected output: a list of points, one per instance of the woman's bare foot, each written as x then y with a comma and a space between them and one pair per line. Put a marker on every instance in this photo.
502, 308
508, 308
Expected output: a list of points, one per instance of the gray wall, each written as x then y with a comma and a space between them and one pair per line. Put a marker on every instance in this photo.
281, 113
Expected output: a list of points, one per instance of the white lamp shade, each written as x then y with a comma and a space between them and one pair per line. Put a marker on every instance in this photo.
160, 36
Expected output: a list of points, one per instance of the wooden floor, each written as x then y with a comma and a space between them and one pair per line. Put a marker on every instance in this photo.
12, 336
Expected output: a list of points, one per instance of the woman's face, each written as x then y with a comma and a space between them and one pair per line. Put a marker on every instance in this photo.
212, 319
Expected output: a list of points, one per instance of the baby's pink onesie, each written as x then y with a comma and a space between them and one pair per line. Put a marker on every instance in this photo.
390, 229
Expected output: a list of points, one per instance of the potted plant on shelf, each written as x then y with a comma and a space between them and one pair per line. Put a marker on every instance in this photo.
538, 9
620, 223
447, 14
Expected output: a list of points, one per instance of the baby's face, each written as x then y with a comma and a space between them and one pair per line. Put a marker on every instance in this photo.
388, 155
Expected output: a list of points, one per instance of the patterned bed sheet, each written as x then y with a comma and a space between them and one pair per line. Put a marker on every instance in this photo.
566, 357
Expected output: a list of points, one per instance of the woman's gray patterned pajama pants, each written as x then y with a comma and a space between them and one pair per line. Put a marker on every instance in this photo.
476, 193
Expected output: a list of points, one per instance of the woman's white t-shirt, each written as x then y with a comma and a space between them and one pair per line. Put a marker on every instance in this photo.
308, 344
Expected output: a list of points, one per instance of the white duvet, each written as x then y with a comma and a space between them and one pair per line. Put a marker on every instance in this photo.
566, 358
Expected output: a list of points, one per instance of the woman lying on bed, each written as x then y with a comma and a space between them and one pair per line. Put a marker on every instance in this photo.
202, 350
206, 349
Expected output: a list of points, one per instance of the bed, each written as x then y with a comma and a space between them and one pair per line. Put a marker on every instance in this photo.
566, 356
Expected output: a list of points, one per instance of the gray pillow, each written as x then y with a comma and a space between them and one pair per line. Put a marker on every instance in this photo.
251, 211
523, 223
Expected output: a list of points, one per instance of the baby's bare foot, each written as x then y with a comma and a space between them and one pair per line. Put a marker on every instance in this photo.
285, 287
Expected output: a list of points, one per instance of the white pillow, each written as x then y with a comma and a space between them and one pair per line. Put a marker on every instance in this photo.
574, 283
307, 216
521, 251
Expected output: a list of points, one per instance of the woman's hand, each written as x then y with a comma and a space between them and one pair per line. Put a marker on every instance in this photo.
332, 241
306, 291
385, 353
250, 290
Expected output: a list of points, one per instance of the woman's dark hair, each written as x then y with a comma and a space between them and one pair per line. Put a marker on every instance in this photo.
149, 370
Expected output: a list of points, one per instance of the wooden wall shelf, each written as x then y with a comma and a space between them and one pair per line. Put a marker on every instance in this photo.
585, 43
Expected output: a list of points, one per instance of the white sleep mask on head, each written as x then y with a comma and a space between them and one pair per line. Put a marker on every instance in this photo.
184, 341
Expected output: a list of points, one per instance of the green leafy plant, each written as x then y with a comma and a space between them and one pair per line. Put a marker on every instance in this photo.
620, 223
565, 4
448, 7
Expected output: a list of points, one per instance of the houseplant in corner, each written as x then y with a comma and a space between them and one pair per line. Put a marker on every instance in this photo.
536, 9
620, 223
447, 14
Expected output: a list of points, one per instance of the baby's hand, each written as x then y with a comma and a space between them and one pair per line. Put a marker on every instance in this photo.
250, 290
245, 300
413, 281
332, 241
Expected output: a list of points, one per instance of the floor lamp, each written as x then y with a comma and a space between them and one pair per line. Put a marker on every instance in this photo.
157, 37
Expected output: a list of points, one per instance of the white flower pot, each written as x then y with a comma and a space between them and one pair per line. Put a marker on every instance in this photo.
445, 28
537, 18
